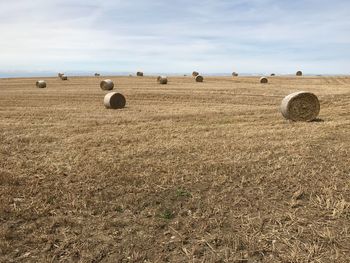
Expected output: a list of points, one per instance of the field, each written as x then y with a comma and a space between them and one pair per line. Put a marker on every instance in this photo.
187, 172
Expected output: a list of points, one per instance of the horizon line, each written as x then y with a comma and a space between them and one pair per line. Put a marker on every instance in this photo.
88, 73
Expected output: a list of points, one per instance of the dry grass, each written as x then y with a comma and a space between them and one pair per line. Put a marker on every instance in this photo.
209, 173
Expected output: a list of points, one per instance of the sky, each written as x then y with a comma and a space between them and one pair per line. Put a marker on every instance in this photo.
178, 36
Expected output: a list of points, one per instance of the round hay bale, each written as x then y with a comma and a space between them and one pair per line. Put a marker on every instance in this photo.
64, 77
195, 73
40, 84
273, 74
234, 74
60, 75
114, 100
162, 80
139, 74
264, 80
107, 84
97, 75
299, 73
300, 106
199, 78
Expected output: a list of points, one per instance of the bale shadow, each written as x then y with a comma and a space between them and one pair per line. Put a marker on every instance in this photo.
317, 120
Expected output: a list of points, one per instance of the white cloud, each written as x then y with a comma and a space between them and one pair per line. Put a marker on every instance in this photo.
175, 36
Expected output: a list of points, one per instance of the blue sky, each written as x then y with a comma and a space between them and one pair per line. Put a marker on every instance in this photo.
212, 36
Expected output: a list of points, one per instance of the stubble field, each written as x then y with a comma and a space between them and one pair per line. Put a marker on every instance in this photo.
187, 172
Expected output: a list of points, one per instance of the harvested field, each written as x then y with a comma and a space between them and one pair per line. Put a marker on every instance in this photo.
190, 173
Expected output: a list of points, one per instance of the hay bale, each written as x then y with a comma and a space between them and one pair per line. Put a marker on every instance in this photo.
139, 74
97, 75
299, 73
162, 80
40, 84
195, 73
199, 78
264, 80
64, 77
107, 84
114, 100
273, 74
234, 74
300, 106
